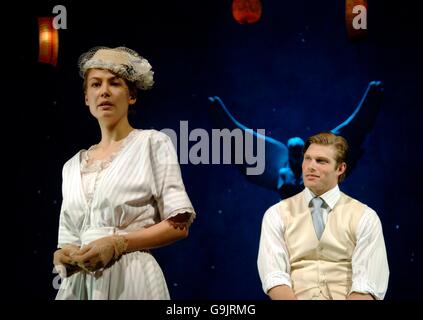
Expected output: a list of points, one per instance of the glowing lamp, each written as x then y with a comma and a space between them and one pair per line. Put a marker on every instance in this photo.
48, 41
246, 11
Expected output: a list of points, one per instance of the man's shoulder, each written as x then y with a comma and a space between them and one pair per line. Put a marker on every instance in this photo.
288, 201
295, 197
349, 199
360, 206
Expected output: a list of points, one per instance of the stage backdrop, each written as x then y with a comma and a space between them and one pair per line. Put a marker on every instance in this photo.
294, 73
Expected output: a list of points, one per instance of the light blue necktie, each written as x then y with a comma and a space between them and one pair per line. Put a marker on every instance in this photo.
316, 215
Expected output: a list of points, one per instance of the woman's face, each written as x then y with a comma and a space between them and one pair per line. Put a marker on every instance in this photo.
107, 95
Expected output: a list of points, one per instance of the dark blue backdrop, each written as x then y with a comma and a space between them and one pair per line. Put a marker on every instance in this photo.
294, 73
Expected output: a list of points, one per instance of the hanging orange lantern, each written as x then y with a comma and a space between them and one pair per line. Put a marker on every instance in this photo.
246, 11
356, 18
48, 41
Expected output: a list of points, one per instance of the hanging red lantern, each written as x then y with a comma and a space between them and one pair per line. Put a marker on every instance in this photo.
48, 41
356, 18
246, 11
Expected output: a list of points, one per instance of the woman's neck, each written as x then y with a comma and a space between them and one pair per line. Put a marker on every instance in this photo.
111, 135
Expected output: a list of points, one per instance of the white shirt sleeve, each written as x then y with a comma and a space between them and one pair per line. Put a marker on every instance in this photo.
369, 260
273, 259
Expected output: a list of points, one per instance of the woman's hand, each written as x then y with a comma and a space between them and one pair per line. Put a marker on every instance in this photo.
100, 253
63, 261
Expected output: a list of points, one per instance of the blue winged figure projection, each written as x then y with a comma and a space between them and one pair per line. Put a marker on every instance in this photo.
282, 171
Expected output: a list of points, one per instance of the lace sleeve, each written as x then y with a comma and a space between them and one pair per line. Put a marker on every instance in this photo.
182, 218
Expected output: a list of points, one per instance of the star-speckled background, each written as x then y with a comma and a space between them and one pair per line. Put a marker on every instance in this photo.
293, 73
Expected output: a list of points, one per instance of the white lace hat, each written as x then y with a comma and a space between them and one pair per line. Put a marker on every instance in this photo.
123, 61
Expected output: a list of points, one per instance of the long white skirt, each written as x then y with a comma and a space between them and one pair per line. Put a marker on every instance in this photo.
135, 276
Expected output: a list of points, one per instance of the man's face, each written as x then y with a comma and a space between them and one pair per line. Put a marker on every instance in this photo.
320, 170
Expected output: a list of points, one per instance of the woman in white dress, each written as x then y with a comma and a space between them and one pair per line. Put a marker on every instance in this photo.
121, 197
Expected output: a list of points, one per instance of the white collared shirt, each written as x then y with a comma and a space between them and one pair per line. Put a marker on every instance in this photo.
369, 260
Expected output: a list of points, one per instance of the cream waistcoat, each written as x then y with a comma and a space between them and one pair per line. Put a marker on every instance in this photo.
321, 269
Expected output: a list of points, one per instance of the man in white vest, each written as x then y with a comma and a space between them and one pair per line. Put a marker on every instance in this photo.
322, 244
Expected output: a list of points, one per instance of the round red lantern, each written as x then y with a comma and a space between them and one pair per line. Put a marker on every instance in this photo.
246, 11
